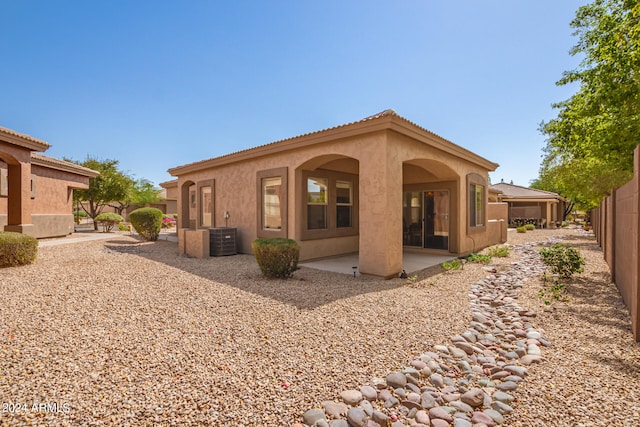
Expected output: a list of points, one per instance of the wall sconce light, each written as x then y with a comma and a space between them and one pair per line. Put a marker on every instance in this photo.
226, 218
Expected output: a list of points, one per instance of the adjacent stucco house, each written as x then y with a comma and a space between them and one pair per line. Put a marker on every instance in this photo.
377, 187
528, 205
36, 191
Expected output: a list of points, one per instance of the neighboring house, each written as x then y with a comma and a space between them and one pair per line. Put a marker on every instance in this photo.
36, 191
169, 202
375, 187
544, 209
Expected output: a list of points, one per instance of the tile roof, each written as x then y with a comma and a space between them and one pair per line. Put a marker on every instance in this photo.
512, 190
53, 163
380, 115
36, 144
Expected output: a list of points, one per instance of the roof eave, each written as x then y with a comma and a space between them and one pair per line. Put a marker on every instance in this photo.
381, 123
23, 140
61, 165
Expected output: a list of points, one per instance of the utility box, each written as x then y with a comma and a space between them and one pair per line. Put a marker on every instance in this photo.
222, 241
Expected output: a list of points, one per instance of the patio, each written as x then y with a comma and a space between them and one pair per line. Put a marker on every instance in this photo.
411, 262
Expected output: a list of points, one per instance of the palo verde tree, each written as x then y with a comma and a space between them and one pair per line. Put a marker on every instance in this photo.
111, 185
590, 143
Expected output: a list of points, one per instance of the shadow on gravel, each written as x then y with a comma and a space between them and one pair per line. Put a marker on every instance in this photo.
307, 289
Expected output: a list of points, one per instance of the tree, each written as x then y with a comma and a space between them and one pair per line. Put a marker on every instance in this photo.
590, 144
139, 193
110, 185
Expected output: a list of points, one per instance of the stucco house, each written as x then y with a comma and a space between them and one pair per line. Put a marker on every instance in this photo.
377, 187
528, 205
36, 191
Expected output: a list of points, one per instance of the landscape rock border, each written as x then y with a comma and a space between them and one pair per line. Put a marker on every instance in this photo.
465, 383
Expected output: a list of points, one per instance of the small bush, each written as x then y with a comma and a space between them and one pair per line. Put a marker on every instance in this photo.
17, 249
498, 251
454, 264
530, 227
563, 260
521, 229
570, 218
276, 257
108, 220
479, 258
552, 290
147, 222
124, 227
565, 224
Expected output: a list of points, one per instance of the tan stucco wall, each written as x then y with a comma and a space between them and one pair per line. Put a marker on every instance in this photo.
381, 159
51, 204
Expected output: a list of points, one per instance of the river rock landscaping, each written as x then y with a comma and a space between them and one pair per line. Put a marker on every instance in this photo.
123, 332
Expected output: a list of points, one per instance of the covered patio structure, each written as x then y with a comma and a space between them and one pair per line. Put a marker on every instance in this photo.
377, 187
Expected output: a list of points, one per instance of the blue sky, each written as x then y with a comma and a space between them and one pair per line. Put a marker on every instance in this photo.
164, 83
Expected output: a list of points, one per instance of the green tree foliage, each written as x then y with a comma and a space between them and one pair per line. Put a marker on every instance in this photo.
108, 220
110, 185
590, 143
139, 193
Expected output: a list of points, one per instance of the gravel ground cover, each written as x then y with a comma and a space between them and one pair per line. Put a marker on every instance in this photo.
122, 332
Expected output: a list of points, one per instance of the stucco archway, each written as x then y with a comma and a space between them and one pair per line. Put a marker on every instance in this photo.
15, 185
326, 207
187, 218
430, 205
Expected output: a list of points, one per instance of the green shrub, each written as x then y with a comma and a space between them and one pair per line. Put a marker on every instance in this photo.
479, 258
552, 290
521, 229
530, 227
276, 257
108, 220
454, 264
124, 227
147, 222
498, 251
565, 224
17, 249
570, 218
563, 260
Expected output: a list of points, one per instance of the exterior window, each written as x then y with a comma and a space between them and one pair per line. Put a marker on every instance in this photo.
344, 204
271, 193
206, 214
476, 205
316, 203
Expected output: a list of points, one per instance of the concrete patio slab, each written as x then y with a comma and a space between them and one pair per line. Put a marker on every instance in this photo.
411, 262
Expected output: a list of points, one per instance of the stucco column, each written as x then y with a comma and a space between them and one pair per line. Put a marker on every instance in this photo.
380, 183
19, 209
550, 219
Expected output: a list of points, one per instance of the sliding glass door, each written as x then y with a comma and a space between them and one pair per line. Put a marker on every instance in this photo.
425, 218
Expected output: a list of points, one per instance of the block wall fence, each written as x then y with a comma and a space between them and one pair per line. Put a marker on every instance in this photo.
616, 224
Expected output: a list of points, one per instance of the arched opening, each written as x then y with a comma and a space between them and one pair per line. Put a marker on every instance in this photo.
187, 217
429, 201
327, 205
14, 192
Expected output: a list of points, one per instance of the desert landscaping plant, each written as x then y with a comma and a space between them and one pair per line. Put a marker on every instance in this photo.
276, 257
552, 290
563, 260
479, 258
498, 251
108, 220
147, 222
454, 264
521, 229
530, 227
17, 249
